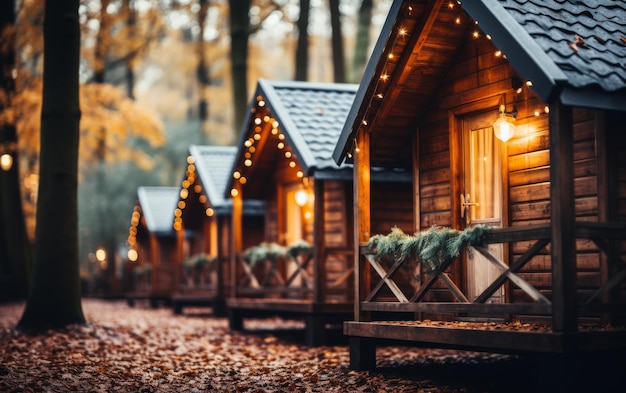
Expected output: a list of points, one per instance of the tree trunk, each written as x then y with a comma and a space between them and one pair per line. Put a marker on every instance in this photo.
131, 25
339, 68
361, 49
202, 69
100, 51
15, 248
239, 34
54, 297
302, 49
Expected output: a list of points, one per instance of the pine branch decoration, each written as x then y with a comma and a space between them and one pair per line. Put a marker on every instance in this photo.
431, 247
265, 251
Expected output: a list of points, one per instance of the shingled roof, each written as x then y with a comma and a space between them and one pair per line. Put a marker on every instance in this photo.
213, 164
572, 51
311, 115
569, 48
157, 206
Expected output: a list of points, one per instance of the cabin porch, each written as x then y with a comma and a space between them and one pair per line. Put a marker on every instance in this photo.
532, 326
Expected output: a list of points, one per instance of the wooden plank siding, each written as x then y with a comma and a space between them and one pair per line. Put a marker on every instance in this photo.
478, 73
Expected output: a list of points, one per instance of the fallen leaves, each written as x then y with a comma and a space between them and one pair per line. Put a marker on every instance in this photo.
152, 350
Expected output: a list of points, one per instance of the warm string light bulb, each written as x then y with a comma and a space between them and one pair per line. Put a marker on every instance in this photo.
249, 144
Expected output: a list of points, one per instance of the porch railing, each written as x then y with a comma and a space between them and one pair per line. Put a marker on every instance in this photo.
298, 277
398, 299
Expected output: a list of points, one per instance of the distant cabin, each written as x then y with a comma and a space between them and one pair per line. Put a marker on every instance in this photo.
202, 220
153, 240
304, 266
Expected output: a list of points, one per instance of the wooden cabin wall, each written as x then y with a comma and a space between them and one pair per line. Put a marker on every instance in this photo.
224, 238
616, 146
479, 75
338, 221
337, 213
271, 218
391, 207
254, 230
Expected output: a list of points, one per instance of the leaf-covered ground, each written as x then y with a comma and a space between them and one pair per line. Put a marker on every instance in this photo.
141, 349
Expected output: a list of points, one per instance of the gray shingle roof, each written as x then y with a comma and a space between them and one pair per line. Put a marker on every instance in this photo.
600, 58
157, 206
312, 116
213, 164
570, 47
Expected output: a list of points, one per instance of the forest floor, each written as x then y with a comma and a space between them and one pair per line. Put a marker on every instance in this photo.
143, 349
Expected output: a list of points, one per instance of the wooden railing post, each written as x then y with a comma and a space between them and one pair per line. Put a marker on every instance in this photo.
564, 314
362, 225
319, 256
236, 245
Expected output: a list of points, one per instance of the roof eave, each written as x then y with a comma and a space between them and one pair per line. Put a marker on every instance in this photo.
522, 51
594, 98
351, 125
290, 129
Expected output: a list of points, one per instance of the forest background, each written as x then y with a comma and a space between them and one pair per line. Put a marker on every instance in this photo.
157, 76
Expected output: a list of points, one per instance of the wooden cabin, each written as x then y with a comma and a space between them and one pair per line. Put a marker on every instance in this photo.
202, 220
546, 276
303, 268
152, 237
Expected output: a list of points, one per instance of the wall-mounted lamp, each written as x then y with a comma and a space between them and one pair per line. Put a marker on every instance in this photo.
6, 162
302, 197
504, 127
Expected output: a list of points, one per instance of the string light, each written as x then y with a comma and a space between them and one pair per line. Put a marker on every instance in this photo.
249, 143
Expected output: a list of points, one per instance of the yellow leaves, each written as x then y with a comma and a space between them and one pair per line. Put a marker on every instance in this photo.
112, 119
109, 119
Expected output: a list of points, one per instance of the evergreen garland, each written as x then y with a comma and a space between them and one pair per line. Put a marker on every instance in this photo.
301, 246
264, 251
431, 247
197, 262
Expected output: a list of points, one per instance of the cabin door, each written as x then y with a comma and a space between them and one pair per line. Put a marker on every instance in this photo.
482, 198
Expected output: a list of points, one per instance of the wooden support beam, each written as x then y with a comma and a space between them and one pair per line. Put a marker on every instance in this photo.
362, 219
236, 244
319, 255
564, 315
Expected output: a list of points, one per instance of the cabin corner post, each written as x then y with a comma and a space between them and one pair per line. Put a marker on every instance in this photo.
236, 243
319, 259
563, 252
180, 256
608, 127
362, 221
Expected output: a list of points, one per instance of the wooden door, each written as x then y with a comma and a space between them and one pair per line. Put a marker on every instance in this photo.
482, 199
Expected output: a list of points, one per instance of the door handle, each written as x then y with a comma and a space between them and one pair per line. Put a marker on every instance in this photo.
465, 207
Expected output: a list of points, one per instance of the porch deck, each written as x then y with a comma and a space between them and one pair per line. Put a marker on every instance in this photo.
496, 327
307, 289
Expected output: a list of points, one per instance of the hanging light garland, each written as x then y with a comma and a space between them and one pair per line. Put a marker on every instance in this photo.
274, 135
135, 219
399, 41
190, 184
